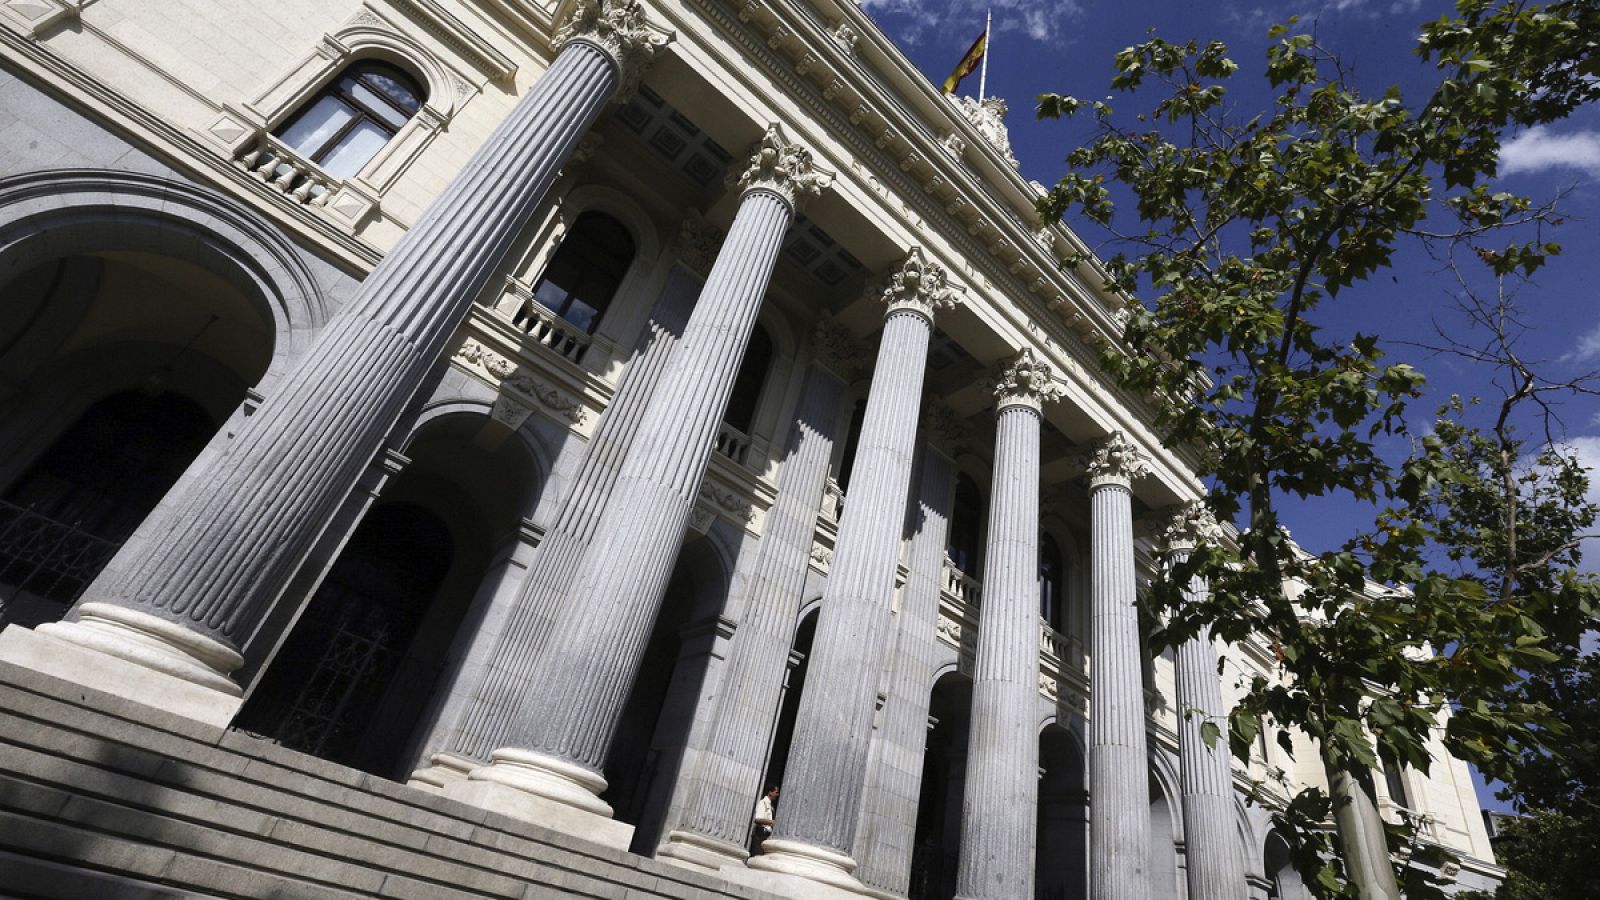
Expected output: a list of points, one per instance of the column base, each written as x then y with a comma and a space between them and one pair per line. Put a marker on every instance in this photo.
545, 791
799, 870
688, 850
442, 769
96, 656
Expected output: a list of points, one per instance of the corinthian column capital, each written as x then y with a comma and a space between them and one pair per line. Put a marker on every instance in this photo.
1116, 460
1185, 526
619, 29
920, 286
1027, 381
782, 167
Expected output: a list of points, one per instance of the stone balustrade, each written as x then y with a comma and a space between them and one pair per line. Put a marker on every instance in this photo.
733, 443
274, 163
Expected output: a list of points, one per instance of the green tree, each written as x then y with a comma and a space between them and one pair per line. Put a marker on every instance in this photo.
1249, 233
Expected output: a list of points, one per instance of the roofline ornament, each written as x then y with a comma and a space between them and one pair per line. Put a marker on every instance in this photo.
620, 30
782, 167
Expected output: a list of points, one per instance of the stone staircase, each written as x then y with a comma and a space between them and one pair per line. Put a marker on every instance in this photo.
101, 798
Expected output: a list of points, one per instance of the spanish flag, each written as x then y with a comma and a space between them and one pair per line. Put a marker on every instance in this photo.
968, 62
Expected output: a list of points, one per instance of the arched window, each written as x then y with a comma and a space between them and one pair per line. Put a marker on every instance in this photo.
586, 271
345, 125
1051, 603
966, 526
752, 377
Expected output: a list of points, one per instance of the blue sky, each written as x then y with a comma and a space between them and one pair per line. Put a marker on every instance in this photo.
1067, 46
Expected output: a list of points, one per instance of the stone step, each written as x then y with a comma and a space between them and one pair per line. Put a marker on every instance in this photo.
120, 789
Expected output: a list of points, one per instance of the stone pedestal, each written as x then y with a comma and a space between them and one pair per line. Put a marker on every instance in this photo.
1000, 806
1119, 769
562, 731
815, 826
223, 544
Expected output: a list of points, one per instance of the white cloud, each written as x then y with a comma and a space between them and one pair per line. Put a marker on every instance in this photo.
1587, 449
1538, 149
1587, 350
911, 21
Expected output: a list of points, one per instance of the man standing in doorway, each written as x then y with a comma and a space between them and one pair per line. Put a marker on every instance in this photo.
765, 807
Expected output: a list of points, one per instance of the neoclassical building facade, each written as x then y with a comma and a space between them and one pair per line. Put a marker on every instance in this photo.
476, 447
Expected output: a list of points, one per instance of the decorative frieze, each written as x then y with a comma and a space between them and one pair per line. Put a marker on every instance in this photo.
697, 242
782, 167
834, 348
475, 355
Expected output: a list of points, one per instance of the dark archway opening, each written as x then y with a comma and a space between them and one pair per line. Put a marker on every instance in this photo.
62, 521
117, 368
328, 683
647, 749
936, 854
1061, 869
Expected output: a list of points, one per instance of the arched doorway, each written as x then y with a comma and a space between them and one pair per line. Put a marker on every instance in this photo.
116, 370
354, 680
1061, 870
647, 749
936, 855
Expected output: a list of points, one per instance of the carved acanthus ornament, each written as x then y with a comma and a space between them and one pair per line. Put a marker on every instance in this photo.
698, 242
619, 29
921, 287
1028, 381
1187, 525
989, 117
1116, 460
512, 378
833, 347
728, 503
783, 168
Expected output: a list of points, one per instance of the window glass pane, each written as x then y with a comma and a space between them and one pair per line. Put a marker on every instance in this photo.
309, 131
378, 106
581, 314
399, 89
354, 150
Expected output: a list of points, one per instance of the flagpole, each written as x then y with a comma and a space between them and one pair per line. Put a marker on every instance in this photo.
988, 38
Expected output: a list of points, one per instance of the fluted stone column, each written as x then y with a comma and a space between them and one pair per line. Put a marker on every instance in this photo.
1119, 771
889, 811
1211, 838
550, 771
718, 794
479, 725
1000, 806
816, 825
199, 574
